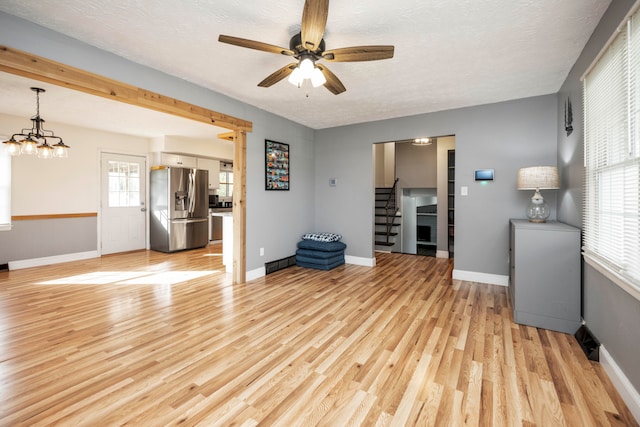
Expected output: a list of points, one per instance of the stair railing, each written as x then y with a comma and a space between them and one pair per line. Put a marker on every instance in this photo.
390, 209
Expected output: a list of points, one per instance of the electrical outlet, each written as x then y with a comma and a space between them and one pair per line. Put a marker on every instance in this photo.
261, 251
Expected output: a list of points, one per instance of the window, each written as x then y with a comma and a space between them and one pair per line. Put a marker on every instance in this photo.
5, 187
124, 184
226, 184
612, 159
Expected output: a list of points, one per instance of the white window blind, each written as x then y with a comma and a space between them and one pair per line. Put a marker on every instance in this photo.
5, 187
612, 157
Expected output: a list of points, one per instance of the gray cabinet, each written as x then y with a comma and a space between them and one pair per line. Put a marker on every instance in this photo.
544, 279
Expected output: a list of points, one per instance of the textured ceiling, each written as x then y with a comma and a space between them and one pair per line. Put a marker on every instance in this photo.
448, 53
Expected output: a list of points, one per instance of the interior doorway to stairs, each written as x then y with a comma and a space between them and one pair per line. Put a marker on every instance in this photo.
414, 196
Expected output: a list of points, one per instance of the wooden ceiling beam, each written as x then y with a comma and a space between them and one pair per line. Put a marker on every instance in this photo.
24, 64
229, 136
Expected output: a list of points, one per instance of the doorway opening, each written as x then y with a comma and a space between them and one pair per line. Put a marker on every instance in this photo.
414, 182
31, 66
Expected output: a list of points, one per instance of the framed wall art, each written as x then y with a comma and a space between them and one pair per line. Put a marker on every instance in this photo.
276, 165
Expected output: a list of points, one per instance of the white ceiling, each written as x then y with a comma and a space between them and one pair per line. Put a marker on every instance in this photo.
448, 53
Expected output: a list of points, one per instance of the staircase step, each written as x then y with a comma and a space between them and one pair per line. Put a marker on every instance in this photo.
387, 223
384, 233
384, 243
390, 216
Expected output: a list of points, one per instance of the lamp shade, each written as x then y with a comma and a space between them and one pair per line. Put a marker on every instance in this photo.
538, 178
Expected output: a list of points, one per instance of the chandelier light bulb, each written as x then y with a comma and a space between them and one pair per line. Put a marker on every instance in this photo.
45, 151
60, 150
29, 146
13, 147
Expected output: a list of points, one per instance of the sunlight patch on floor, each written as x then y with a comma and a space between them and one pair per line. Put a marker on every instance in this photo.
167, 278
130, 278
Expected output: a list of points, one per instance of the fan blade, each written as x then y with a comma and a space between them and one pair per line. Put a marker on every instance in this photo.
333, 83
278, 75
358, 53
252, 44
314, 21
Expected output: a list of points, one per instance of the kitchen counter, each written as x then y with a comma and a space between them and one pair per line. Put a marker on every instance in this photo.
227, 237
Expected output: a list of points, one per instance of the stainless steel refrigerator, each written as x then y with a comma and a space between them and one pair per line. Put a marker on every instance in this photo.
179, 208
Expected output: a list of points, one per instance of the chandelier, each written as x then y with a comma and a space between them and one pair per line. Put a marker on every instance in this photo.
36, 140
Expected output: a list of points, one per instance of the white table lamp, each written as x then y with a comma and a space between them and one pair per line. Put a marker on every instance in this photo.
538, 178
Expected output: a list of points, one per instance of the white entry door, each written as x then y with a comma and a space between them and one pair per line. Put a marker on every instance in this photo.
123, 210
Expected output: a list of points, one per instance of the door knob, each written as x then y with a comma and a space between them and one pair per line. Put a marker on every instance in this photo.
143, 209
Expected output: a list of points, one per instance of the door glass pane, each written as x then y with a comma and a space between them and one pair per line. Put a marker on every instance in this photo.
124, 184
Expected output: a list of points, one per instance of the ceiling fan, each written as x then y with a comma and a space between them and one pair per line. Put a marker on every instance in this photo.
308, 47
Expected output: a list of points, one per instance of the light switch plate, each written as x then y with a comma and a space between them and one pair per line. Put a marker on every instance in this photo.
464, 190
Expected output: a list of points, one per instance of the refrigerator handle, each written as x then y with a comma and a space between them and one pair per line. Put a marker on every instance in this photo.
192, 198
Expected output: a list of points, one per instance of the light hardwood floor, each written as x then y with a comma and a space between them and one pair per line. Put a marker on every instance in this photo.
150, 339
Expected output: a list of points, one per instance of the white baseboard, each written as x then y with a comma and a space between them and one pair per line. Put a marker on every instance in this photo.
255, 274
622, 384
356, 260
472, 276
37, 262
442, 254
367, 262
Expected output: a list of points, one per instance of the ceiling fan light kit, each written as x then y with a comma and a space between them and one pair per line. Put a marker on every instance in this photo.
308, 47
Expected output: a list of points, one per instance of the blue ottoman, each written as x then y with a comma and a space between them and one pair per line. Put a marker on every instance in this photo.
320, 255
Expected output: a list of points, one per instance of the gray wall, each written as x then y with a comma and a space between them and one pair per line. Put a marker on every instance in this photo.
610, 313
503, 136
416, 167
275, 220
42, 238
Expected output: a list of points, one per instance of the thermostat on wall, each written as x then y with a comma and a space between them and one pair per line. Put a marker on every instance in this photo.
484, 174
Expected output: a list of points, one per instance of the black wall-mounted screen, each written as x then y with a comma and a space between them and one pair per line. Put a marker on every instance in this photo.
484, 174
